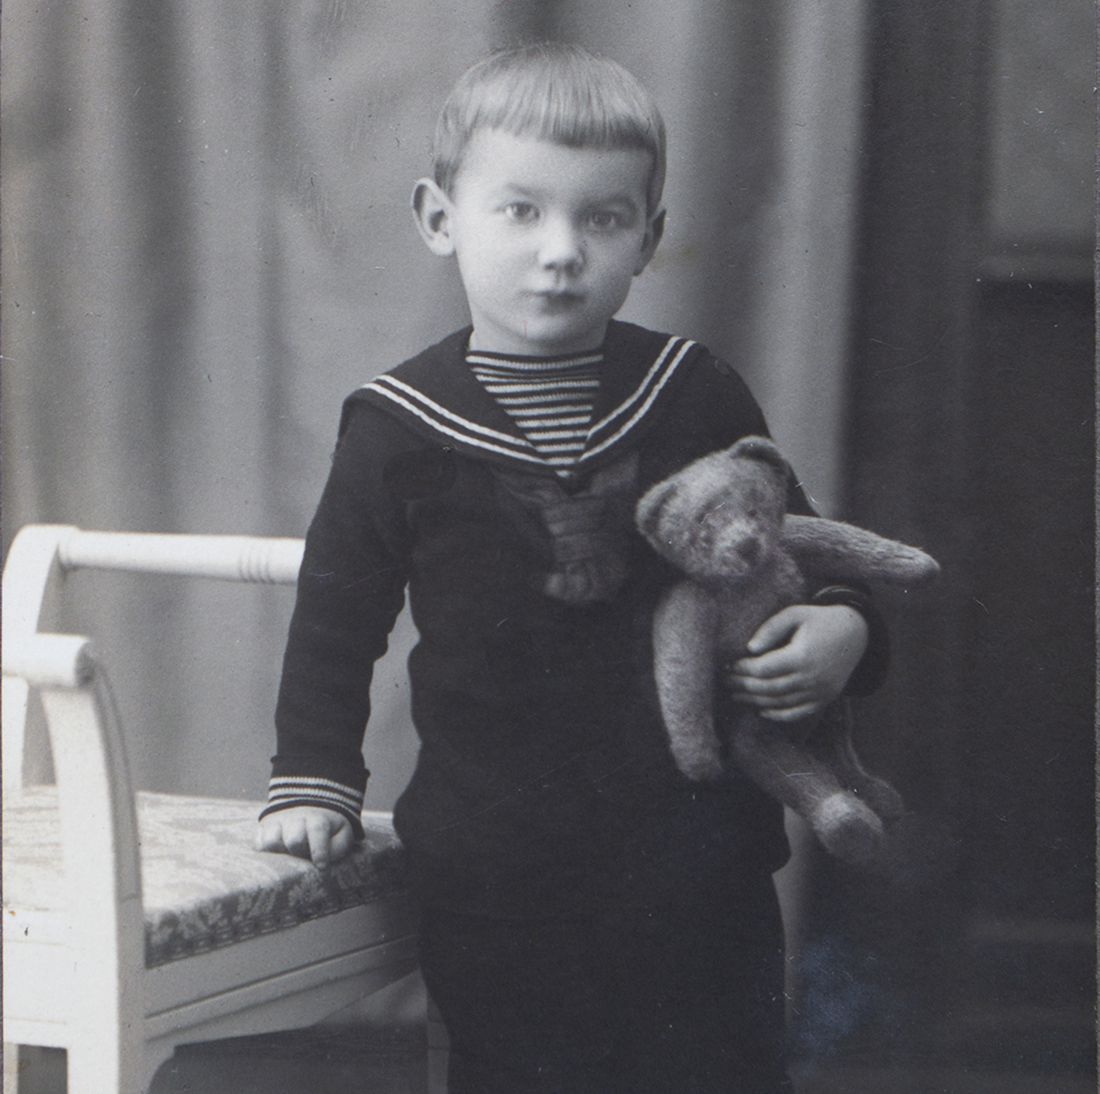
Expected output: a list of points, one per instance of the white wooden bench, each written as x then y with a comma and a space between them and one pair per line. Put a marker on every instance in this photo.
135, 922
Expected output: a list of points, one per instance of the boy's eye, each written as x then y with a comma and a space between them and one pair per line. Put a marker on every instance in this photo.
604, 219
520, 211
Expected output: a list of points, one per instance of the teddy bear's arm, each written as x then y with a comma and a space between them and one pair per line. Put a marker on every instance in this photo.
685, 628
843, 551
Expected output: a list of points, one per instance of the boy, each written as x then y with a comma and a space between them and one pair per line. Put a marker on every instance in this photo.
592, 921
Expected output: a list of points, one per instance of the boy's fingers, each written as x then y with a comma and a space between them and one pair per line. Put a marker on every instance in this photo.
793, 697
343, 839
786, 702
318, 836
295, 837
756, 685
791, 714
787, 663
775, 631
781, 662
269, 835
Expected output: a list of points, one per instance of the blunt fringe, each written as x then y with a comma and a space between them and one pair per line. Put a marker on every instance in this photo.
556, 92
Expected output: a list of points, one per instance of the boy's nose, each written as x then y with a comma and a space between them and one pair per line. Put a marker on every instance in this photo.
561, 247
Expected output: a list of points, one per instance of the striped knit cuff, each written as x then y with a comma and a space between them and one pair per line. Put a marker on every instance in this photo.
843, 594
286, 792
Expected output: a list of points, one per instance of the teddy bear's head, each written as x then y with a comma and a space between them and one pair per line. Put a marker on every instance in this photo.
721, 516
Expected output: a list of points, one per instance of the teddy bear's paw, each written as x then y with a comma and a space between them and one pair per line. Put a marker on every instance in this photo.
849, 829
880, 797
699, 766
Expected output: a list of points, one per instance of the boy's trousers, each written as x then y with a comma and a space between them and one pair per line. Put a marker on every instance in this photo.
657, 1000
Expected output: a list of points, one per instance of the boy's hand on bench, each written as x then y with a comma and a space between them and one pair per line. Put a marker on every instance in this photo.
306, 831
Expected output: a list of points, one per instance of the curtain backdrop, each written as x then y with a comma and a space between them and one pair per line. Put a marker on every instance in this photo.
207, 245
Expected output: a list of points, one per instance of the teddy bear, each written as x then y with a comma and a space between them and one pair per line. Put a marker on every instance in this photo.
722, 521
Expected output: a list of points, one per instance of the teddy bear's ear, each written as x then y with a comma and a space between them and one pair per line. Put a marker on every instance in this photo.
648, 513
762, 449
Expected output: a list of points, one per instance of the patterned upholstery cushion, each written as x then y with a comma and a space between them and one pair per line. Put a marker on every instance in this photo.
203, 884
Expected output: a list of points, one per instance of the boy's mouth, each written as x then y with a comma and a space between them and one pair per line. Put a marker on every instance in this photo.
557, 299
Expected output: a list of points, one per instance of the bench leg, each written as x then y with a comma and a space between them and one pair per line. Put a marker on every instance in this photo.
96, 1071
11, 1069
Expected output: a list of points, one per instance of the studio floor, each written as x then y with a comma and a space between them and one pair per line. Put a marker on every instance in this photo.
361, 1060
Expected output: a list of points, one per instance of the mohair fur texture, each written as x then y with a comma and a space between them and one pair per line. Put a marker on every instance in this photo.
722, 520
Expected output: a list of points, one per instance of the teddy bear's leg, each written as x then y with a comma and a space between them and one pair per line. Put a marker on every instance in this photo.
876, 792
832, 742
803, 781
849, 829
684, 630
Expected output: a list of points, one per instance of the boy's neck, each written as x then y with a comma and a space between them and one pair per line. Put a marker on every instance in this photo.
518, 348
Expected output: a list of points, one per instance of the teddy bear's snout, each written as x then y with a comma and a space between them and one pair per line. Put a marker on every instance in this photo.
749, 550
737, 551
739, 554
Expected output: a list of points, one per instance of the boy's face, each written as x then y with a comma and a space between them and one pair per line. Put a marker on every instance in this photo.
547, 237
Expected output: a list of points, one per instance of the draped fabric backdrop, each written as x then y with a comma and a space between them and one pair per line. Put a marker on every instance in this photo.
207, 245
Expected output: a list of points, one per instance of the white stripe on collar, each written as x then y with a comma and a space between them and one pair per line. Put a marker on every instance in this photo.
619, 421
440, 419
645, 394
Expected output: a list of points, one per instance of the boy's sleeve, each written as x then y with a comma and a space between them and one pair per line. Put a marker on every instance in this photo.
871, 671
869, 674
350, 591
873, 666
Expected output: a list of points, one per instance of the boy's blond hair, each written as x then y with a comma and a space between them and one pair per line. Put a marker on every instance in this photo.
556, 92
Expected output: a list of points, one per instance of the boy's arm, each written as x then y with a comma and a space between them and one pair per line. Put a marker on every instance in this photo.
350, 590
870, 669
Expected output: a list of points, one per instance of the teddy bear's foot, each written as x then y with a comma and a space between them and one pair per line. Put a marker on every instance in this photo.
849, 829
879, 796
700, 767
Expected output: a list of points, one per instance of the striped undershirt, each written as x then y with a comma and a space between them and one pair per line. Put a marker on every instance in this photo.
550, 399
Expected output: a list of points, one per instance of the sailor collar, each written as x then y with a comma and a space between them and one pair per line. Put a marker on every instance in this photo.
437, 395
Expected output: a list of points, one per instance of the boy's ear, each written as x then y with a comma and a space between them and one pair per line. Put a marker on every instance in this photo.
654, 230
431, 210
